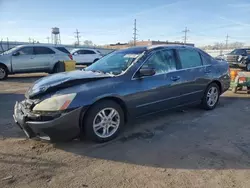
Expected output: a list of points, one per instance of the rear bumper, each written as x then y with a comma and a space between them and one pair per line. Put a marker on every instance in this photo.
62, 127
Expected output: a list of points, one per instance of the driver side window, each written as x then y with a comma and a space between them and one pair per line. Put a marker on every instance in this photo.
26, 51
161, 61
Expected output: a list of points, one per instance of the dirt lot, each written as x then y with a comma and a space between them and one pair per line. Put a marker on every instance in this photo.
189, 148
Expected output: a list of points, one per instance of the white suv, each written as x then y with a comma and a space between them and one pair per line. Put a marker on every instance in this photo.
85, 56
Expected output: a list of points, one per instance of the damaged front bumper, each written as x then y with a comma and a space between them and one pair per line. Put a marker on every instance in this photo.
62, 126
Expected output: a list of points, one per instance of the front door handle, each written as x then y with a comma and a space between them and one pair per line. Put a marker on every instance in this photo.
208, 71
175, 78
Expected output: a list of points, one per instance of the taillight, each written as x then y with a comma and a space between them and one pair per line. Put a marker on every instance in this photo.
70, 56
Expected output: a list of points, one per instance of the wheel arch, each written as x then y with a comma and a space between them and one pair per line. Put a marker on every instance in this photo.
116, 99
5, 66
218, 83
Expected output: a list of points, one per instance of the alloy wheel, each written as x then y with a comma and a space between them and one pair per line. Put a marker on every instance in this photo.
106, 122
212, 96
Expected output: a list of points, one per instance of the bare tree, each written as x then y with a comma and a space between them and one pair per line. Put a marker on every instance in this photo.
88, 43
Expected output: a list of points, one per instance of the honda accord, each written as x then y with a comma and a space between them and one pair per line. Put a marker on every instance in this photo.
98, 101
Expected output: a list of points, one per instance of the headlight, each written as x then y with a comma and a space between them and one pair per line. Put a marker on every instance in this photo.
55, 103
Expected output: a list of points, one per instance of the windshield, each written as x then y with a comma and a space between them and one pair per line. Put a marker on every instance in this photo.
238, 52
234, 52
115, 62
9, 51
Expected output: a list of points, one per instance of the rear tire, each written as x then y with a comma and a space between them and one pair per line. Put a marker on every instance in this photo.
3, 72
103, 121
211, 97
59, 67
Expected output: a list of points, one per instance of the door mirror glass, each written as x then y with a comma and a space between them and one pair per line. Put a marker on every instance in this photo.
146, 72
16, 54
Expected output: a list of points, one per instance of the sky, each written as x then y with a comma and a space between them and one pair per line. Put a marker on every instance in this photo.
111, 21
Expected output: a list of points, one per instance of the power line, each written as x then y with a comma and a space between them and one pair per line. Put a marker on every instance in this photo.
135, 33
185, 36
77, 37
227, 41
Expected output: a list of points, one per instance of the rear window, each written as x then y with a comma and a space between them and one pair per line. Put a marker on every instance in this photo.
43, 50
189, 58
62, 49
87, 52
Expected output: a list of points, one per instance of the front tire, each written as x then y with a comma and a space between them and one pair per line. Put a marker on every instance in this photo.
211, 97
103, 121
3, 72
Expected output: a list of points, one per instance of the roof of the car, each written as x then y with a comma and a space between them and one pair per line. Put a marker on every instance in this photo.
40, 45
84, 49
242, 49
155, 47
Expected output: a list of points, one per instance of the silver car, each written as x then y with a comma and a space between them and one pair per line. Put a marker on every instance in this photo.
32, 58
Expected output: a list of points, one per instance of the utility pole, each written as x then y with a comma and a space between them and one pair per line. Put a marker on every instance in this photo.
185, 36
48, 39
8, 43
135, 33
77, 37
227, 37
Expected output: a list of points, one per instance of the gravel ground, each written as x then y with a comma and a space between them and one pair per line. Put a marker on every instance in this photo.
184, 148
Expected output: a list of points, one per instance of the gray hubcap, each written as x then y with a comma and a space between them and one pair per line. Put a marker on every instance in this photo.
212, 96
106, 122
2, 73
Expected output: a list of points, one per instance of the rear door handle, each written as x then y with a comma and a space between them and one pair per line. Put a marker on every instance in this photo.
207, 71
175, 78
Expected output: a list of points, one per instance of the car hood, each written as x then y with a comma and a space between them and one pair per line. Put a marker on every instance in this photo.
63, 80
4, 56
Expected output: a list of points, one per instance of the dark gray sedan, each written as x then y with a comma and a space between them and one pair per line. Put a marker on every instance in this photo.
98, 100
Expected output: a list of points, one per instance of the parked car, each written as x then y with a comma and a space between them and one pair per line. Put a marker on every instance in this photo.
238, 58
32, 58
98, 100
86, 56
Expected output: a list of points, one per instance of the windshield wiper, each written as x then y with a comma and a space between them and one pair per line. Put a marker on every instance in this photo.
98, 71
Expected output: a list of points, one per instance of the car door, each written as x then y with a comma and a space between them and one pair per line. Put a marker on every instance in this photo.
192, 73
23, 59
77, 56
89, 56
157, 92
44, 57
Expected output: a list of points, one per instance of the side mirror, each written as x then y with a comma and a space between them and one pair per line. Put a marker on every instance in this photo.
146, 72
16, 54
